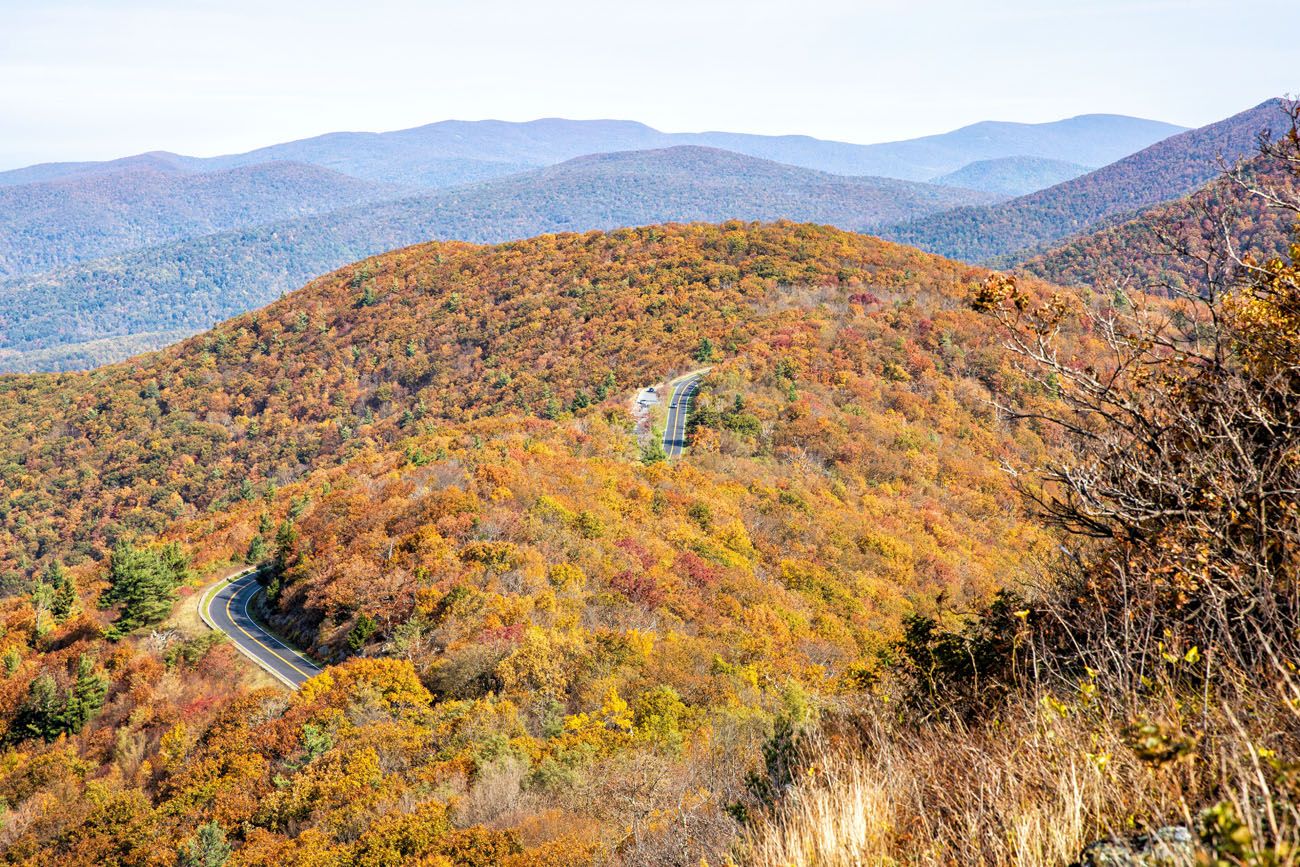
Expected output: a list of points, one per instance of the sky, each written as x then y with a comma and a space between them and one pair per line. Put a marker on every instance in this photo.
97, 80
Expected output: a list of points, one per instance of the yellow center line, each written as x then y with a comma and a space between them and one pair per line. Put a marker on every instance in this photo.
254, 639
279, 642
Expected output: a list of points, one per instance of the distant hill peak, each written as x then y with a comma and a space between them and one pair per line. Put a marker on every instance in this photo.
1012, 176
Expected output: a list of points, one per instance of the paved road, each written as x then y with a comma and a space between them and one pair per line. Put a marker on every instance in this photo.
227, 610
679, 407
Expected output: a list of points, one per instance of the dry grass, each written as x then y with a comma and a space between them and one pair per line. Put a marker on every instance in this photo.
185, 622
843, 821
1031, 789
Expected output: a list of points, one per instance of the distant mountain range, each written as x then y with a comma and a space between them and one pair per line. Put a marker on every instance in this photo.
102, 259
191, 284
60, 222
1024, 226
455, 152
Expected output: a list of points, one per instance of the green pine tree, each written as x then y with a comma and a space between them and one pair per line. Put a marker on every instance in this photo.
41, 713
86, 698
11, 660
316, 741
286, 544
256, 551
653, 451
362, 631
143, 582
64, 603
207, 848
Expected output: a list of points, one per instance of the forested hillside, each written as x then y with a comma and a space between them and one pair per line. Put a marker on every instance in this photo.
48, 225
555, 647
1169, 169
1149, 252
821, 633
415, 332
190, 285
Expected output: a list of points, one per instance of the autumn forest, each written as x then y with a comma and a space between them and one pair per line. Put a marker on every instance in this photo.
991, 559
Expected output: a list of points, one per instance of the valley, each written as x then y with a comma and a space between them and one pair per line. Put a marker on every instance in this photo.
573, 493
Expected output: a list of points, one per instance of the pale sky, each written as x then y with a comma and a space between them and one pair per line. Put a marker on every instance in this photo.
96, 80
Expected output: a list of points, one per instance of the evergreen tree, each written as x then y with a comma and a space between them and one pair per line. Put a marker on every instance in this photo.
283, 557
11, 660
316, 741
41, 713
286, 543
606, 386
207, 848
256, 551
362, 630
144, 583
653, 451
86, 698
64, 603
174, 561
705, 350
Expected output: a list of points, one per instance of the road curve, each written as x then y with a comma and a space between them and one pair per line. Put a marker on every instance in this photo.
679, 407
227, 610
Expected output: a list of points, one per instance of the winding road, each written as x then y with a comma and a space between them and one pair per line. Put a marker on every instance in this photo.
679, 407
227, 610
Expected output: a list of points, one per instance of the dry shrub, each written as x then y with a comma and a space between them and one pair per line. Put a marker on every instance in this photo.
496, 798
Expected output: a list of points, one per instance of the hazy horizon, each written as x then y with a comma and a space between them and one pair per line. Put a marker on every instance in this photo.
203, 154
89, 82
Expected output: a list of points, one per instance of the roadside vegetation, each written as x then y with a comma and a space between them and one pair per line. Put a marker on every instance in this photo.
1144, 688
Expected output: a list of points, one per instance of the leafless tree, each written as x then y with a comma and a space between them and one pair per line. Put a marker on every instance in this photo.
1178, 503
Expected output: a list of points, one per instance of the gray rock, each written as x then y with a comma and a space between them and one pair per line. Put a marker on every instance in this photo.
1171, 846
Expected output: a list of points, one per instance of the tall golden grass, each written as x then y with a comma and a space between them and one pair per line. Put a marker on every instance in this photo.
1036, 785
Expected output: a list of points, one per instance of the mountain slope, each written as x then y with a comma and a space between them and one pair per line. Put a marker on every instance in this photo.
681, 184
436, 323
52, 224
1166, 170
1137, 252
1012, 176
192, 284
454, 152
433, 448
